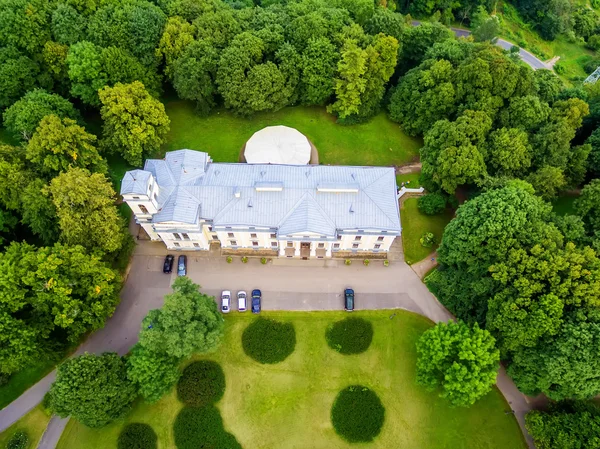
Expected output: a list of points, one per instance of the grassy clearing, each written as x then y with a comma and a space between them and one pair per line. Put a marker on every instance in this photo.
33, 423
411, 180
563, 205
572, 54
222, 135
414, 224
21, 381
286, 405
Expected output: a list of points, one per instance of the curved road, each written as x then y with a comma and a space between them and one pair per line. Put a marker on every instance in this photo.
527, 57
285, 287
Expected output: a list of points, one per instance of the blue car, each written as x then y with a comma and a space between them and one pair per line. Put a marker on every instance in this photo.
182, 266
256, 295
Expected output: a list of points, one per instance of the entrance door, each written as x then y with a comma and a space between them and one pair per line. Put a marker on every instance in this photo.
305, 250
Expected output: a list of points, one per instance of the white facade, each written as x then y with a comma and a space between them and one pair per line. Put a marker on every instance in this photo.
184, 206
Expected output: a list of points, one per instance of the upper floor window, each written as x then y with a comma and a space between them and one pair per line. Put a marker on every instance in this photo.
210, 229
185, 236
230, 234
176, 244
176, 236
197, 245
143, 209
215, 237
321, 245
380, 239
358, 238
252, 236
273, 236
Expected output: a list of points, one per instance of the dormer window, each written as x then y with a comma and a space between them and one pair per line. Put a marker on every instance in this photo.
136, 197
143, 209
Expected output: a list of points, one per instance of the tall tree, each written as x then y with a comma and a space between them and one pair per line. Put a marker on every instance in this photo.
38, 212
154, 374
188, 322
177, 35
18, 74
318, 65
59, 144
24, 116
68, 26
460, 360
135, 124
24, 24
86, 211
93, 389
350, 82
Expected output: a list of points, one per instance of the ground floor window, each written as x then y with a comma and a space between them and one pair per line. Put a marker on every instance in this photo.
274, 244
233, 242
197, 245
215, 237
321, 245
377, 246
176, 244
254, 243
355, 245
336, 246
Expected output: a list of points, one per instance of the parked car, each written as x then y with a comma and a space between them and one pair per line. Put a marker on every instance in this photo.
181, 265
225, 301
168, 265
256, 295
348, 300
241, 301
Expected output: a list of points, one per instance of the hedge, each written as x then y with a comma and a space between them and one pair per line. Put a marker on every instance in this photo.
137, 436
202, 427
269, 341
357, 414
350, 336
202, 383
20, 440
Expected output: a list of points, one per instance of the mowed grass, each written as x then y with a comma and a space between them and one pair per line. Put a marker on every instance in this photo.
415, 224
34, 423
563, 205
288, 405
21, 381
411, 180
222, 135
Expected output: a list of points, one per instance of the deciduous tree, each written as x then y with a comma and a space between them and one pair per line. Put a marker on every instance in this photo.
24, 116
154, 374
135, 124
188, 322
93, 389
59, 144
460, 360
86, 211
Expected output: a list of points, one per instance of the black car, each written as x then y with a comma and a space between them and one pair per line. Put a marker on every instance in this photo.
168, 266
256, 295
181, 266
348, 300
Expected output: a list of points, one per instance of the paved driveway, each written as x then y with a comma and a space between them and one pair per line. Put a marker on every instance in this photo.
285, 285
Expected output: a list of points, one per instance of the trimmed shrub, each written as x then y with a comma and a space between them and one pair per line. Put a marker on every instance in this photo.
432, 203
263, 260
202, 427
244, 259
366, 262
229, 259
202, 383
350, 336
137, 436
427, 240
347, 262
386, 263
357, 414
19, 440
269, 341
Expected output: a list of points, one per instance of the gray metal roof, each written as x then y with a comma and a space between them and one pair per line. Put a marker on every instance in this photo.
192, 187
135, 181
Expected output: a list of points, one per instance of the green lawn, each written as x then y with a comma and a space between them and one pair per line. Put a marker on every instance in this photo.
34, 423
563, 205
21, 381
287, 405
411, 178
414, 224
222, 135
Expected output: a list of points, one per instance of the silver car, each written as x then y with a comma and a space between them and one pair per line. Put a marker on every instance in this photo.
242, 301
225, 301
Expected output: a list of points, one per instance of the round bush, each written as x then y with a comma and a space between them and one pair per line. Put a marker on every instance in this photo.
202, 427
202, 383
432, 203
269, 341
137, 436
357, 414
350, 336
19, 440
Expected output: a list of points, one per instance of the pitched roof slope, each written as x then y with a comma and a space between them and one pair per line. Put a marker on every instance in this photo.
294, 197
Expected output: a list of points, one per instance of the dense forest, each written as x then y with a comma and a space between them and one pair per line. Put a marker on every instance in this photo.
495, 132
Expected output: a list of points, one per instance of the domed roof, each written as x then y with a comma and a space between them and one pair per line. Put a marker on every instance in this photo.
278, 145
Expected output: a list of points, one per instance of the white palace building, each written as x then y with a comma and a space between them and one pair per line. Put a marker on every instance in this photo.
301, 211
